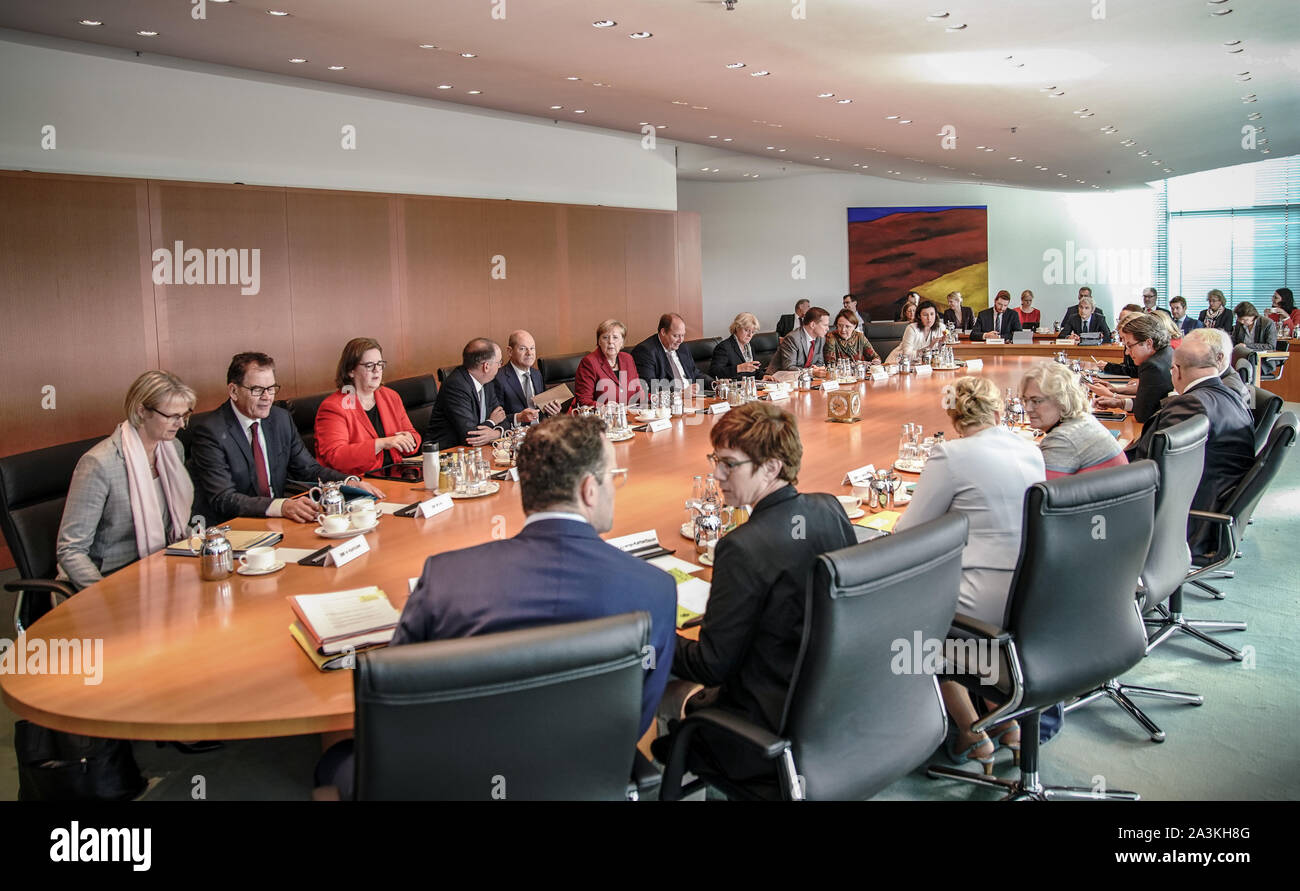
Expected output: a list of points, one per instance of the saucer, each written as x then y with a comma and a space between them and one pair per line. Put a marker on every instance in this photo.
276, 567
688, 531
622, 436
856, 514
346, 533
490, 489
706, 559
912, 466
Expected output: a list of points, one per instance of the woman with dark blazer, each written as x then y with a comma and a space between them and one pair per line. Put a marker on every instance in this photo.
1252, 331
733, 357
363, 426
962, 317
1146, 340
1217, 316
606, 374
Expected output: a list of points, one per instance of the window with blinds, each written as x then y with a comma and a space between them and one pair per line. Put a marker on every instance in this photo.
1236, 229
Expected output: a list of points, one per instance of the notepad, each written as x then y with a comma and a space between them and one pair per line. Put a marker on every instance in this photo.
240, 540
342, 615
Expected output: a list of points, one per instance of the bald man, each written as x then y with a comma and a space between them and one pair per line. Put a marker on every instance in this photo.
1230, 449
519, 380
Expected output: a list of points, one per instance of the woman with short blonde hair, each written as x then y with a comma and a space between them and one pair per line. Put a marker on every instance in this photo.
733, 357
1057, 404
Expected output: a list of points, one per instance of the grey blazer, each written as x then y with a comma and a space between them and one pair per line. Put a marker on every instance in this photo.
793, 352
97, 534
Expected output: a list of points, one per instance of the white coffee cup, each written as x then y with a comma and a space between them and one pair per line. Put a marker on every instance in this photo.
335, 523
258, 559
850, 503
363, 517
861, 491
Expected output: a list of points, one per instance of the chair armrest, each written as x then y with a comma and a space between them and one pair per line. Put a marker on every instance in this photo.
967, 626
768, 744
645, 776
53, 586
1211, 516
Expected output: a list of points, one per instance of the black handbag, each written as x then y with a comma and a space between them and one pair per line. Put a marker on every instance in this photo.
57, 766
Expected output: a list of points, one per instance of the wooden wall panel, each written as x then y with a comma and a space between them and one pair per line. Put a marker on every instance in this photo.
597, 273
72, 314
527, 236
690, 274
343, 282
446, 275
652, 274
202, 325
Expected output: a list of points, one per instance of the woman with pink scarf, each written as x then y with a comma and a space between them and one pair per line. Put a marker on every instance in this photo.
130, 494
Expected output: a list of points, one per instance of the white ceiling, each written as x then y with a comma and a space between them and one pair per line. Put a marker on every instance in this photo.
1157, 71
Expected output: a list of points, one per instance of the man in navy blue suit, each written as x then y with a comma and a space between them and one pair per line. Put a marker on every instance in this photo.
519, 380
998, 320
664, 361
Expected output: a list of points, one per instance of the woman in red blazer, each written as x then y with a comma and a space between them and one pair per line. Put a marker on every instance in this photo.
606, 374
364, 425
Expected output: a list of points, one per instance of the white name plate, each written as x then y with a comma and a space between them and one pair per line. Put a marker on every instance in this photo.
778, 393
514, 474
719, 408
923, 369
996, 341
1064, 341
350, 550
880, 373
436, 505
636, 541
827, 386
659, 424
860, 477
974, 364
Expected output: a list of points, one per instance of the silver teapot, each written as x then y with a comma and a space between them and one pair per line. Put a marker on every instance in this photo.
904, 364
216, 556
708, 520
329, 496
883, 484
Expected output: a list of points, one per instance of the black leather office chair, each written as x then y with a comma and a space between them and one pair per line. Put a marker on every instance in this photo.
702, 351
764, 345
559, 369
1235, 516
852, 723
33, 488
544, 713
418, 395
303, 410
444, 372
884, 336
1265, 412
1179, 454
1072, 621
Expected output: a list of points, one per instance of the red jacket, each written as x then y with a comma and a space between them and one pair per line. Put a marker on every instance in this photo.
345, 438
595, 382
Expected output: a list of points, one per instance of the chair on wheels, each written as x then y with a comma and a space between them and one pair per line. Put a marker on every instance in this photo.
1179, 455
1073, 622
857, 716
545, 713
1235, 516
1265, 412
33, 488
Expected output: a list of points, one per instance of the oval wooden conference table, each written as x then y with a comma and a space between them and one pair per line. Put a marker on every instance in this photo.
186, 659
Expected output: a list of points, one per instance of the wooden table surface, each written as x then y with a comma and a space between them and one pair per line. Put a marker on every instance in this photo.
186, 659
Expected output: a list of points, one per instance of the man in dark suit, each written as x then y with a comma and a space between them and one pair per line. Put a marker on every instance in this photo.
1085, 291
468, 410
519, 380
1230, 450
244, 453
749, 641
790, 321
1085, 320
664, 361
997, 320
1178, 312
555, 569
1150, 301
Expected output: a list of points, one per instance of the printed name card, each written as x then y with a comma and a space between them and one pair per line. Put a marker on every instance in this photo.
923, 369
350, 550
860, 477
776, 394
436, 505
880, 373
827, 386
719, 408
994, 340
974, 364
659, 424
1064, 341
637, 541
514, 474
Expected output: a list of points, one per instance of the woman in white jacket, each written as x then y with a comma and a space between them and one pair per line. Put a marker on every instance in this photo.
925, 333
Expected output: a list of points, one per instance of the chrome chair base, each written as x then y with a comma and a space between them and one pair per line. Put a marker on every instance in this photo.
1119, 692
1171, 623
1026, 787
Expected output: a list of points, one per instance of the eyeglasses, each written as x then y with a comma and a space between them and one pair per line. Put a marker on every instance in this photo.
618, 475
729, 463
259, 391
183, 417
373, 366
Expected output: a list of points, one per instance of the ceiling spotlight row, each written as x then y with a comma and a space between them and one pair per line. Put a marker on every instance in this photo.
609, 23
944, 18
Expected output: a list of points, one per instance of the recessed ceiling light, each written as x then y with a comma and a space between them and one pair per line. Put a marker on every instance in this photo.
1220, 11
640, 35
558, 107
680, 102
337, 67
297, 61
726, 139
147, 33
955, 28
1018, 160
780, 150
1128, 142
90, 23
1088, 114
1167, 170
1236, 49
1265, 151
1144, 154
979, 148
580, 111
891, 117
469, 55
702, 170
1108, 129
444, 86
1247, 99
639, 123
990, 149
661, 126
936, 17
1157, 163
428, 46
1254, 116
1047, 89
771, 148
1080, 182
474, 92
604, 23
277, 12
735, 64
1062, 174
844, 102
905, 121
759, 73
1081, 111
825, 95
713, 137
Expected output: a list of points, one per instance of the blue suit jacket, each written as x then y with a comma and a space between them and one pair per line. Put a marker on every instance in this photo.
653, 367
512, 394
553, 571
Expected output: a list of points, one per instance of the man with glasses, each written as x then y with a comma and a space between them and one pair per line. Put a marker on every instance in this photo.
469, 411
555, 569
244, 453
745, 655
